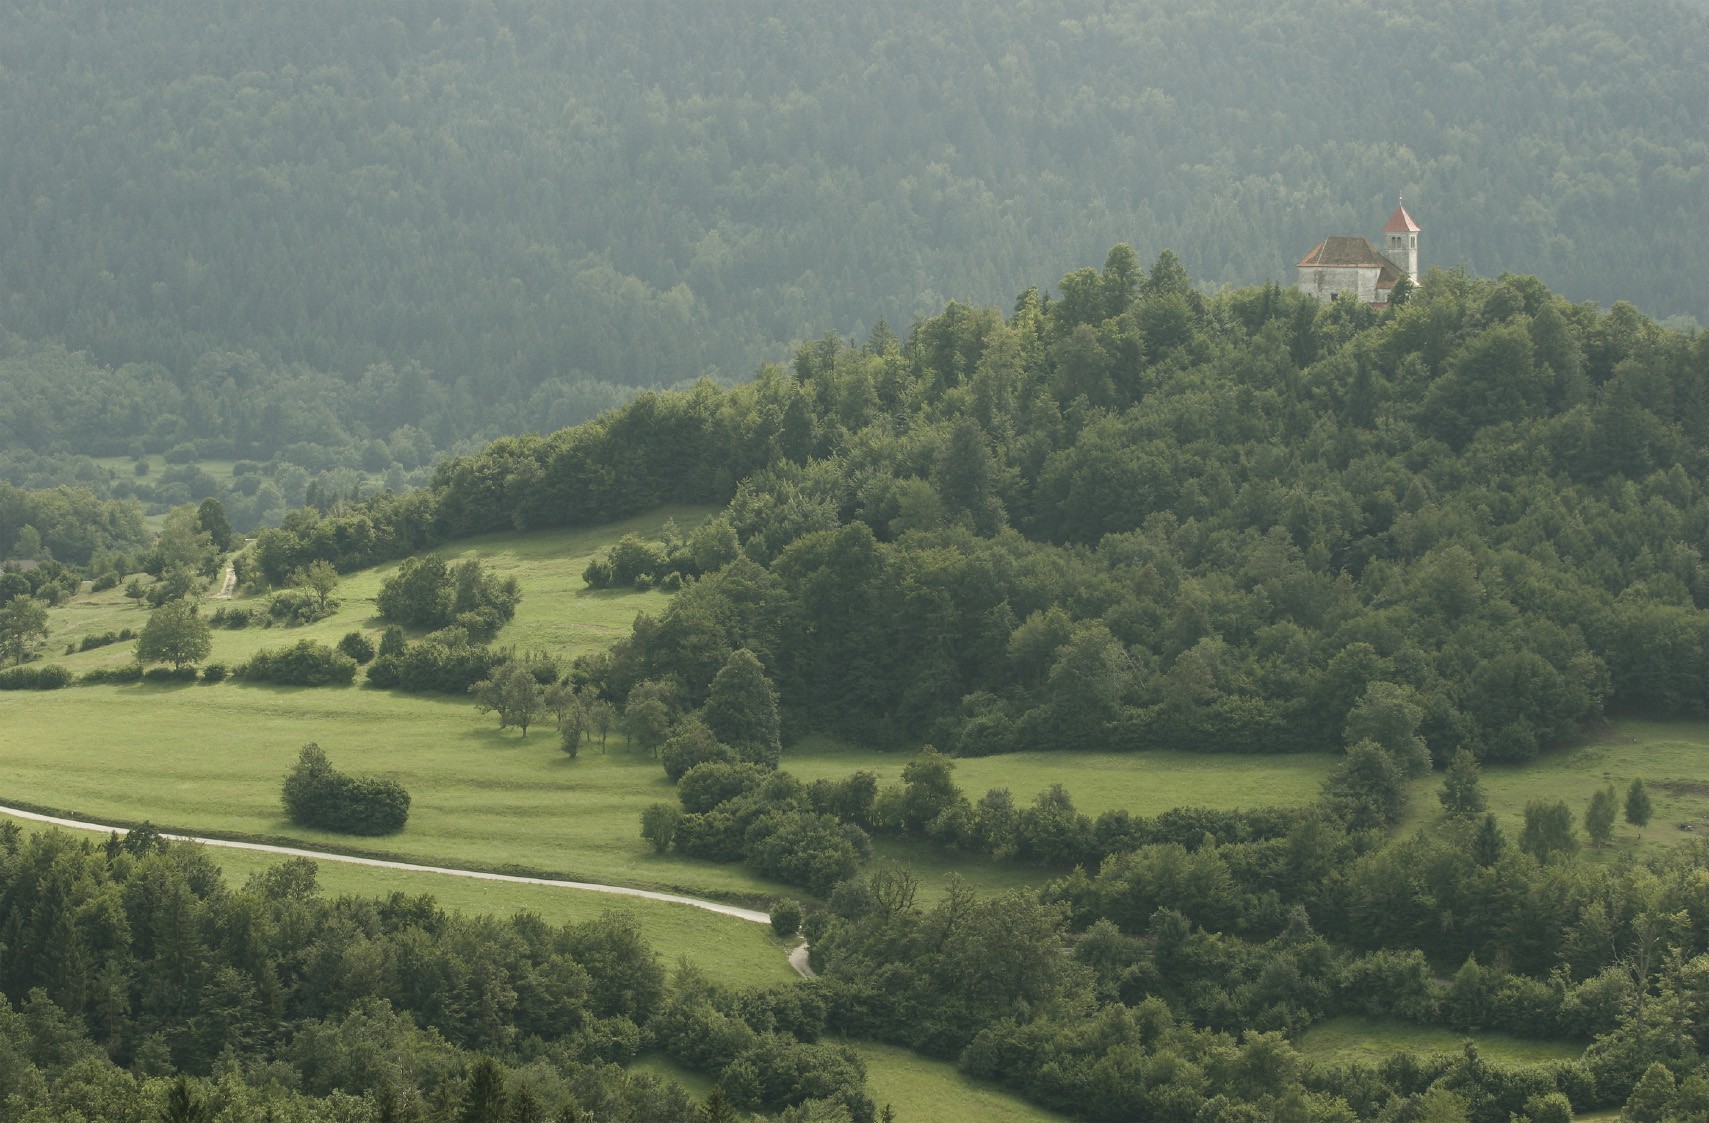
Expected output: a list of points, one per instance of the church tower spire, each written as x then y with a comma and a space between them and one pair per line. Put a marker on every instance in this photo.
1400, 241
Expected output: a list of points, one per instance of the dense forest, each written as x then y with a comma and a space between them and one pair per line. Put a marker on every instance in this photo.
1135, 516
1457, 530
351, 237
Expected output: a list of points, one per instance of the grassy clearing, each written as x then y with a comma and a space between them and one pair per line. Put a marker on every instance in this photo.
733, 952
919, 1089
558, 613
1672, 758
922, 1089
658, 1064
1353, 1038
1142, 783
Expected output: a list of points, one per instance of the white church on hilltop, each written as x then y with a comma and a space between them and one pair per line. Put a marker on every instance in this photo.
1349, 263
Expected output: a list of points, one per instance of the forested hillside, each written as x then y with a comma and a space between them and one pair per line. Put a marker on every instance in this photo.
1139, 517
353, 234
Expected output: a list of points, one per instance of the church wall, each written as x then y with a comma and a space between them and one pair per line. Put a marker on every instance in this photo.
1324, 282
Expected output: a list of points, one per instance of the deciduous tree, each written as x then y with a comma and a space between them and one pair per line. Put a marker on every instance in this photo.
23, 627
513, 693
176, 634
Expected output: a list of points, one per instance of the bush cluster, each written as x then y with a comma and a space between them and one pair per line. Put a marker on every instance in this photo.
433, 668
427, 593
317, 795
232, 616
305, 663
111, 676
50, 677
810, 835
104, 639
297, 606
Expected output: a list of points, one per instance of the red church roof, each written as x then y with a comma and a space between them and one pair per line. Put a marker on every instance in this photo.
1401, 223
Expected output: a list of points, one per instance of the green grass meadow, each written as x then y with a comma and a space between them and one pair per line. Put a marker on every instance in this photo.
1672, 758
928, 1091
1353, 1038
921, 1090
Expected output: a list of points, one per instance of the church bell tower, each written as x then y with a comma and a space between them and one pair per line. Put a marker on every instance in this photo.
1400, 241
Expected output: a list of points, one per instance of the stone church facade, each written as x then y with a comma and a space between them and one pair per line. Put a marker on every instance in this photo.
1351, 264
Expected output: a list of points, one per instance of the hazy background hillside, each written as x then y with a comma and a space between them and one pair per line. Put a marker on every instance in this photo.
365, 232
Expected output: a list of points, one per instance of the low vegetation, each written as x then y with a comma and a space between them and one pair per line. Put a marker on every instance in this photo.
316, 794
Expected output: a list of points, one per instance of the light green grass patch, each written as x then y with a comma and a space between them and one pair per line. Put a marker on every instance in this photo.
1144, 783
212, 758
558, 613
1671, 757
733, 952
926, 1090
658, 1064
920, 1090
1353, 1038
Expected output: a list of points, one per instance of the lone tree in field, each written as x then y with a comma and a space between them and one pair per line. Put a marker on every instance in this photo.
513, 692
741, 709
1637, 804
1599, 817
1461, 793
23, 627
319, 578
174, 634
1548, 830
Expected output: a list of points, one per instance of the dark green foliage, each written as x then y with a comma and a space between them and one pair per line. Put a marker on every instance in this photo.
1637, 804
304, 663
392, 641
211, 517
215, 672
1599, 816
741, 709
176, 634
358, 646
1548, 830
659, 824
429, 594
317, 795
692, 743
1367, 788
1461, 793
166, 969
48, 677
130, 672
430, 667
71, 524
512, 693
23, 628
297, 606
786, 918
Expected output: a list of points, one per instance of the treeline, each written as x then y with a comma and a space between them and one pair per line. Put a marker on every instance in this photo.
1200, 955
526, 204
137, 984
68, 525
1135, 516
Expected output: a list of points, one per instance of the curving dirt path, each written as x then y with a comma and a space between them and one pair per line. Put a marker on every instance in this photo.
226, 585
797, 957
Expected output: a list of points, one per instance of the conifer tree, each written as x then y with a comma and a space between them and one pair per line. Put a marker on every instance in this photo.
483, 1100
741, 709
1489, 842
1599, 817
1548, 830
1461, 793
1637, 804
716, 1109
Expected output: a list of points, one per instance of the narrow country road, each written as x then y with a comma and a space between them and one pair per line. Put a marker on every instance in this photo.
226, 585
797, 958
